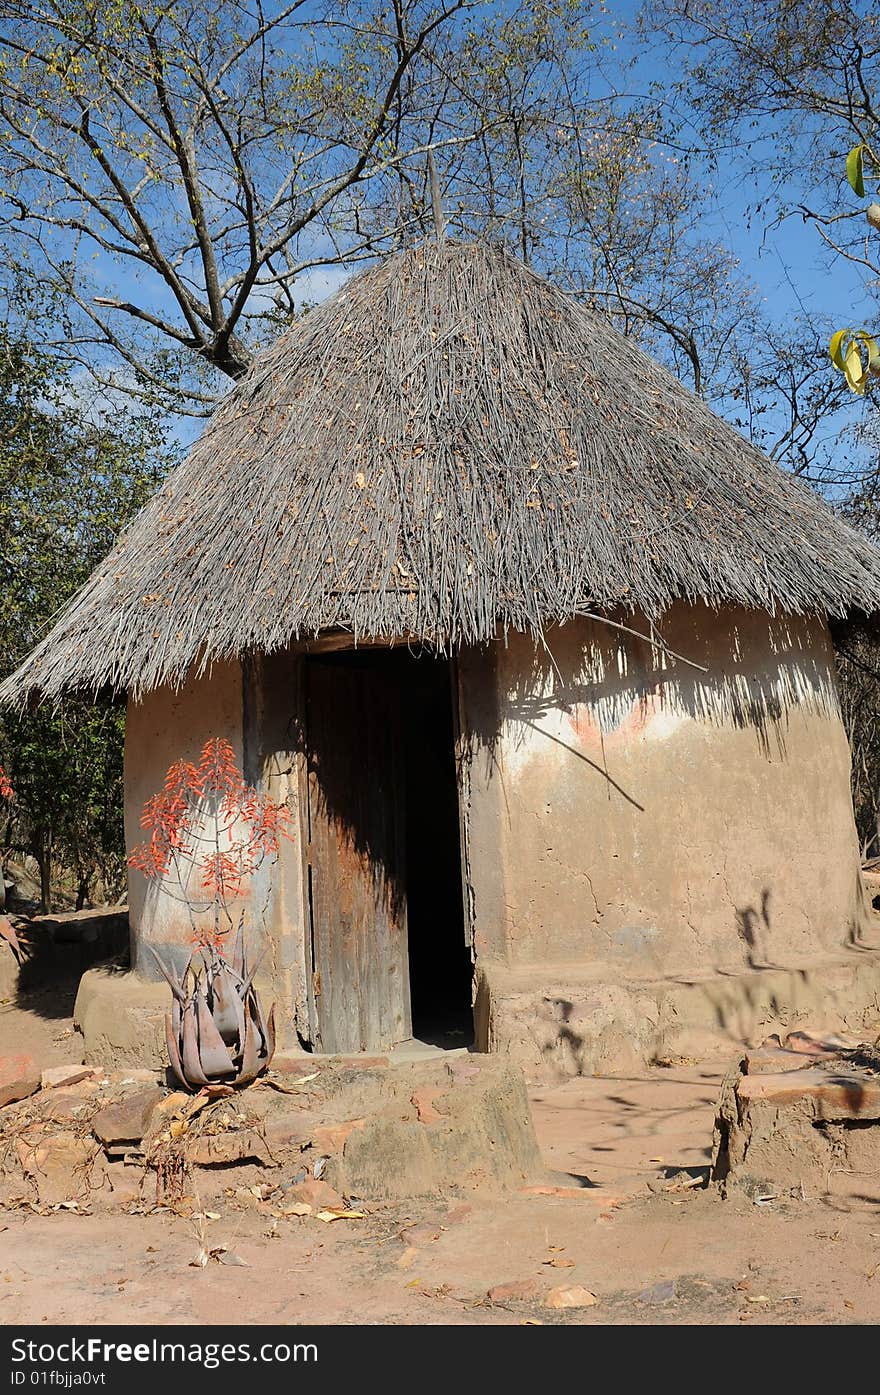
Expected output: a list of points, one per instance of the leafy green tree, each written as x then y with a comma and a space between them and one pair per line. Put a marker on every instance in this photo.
70, 476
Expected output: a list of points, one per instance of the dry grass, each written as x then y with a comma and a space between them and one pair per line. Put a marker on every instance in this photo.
446, 446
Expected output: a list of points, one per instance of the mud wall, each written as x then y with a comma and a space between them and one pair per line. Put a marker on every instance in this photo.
621, 810
628, 810
252, 708
166, 726
272, 762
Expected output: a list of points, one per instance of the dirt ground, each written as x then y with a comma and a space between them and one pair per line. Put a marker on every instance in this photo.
650, 1249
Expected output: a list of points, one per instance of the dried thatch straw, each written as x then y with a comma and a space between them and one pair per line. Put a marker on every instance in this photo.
447, 445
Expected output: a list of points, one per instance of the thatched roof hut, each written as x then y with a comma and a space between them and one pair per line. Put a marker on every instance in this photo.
447, 445
614, 762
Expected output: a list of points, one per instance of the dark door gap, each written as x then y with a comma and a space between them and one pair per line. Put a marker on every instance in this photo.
425, 880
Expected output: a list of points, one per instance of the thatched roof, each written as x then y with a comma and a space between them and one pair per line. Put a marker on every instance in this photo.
447, 445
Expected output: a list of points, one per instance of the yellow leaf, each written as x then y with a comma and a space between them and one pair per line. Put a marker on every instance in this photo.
852, 367
835, 348
341, 1215
873, 349
845, 349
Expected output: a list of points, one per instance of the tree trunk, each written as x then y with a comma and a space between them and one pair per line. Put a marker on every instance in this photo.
82, 891
44, 861
7, 845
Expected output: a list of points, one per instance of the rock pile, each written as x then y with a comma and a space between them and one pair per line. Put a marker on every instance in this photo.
77, 1136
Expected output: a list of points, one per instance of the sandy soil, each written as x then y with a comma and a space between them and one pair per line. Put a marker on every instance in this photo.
651, 1253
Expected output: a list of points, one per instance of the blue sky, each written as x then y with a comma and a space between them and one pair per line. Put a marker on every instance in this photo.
787, 263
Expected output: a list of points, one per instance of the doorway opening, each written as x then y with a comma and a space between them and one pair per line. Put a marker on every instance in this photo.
383, 852
440, 970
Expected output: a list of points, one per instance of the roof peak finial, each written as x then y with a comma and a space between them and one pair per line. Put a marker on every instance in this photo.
437, 206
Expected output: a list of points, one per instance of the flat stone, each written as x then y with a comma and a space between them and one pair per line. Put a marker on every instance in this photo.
290, 1063
835, 1093
221, 1149
464, 1068
19, 1077
291, 1130
664, 1292
173, 1102
128, 1120
125, 1183
423, 1100
570, 1296
316, 1193
331, 1138
55, 1077
772, 1059
84, 1089
516, 1289
62, 1106
59, 1165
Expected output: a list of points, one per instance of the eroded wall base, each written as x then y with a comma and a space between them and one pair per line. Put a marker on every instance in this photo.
571, 1019
561, 1020
122, 1019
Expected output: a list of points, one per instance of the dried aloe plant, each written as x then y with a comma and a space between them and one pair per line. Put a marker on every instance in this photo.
209, 829
216, 1032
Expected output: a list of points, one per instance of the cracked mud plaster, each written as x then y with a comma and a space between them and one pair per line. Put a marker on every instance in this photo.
645, 813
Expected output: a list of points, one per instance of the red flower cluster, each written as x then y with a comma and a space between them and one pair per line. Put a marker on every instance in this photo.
207, 817
5, 787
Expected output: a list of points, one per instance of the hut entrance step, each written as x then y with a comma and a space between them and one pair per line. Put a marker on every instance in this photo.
383, 876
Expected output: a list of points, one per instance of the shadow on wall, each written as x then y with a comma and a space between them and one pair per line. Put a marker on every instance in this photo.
756, 669
753, 928
735, 1007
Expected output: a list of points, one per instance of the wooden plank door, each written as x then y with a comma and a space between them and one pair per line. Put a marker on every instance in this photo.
360, 993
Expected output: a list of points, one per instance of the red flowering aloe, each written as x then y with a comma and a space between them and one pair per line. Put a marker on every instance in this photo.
5, 787
209, 833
